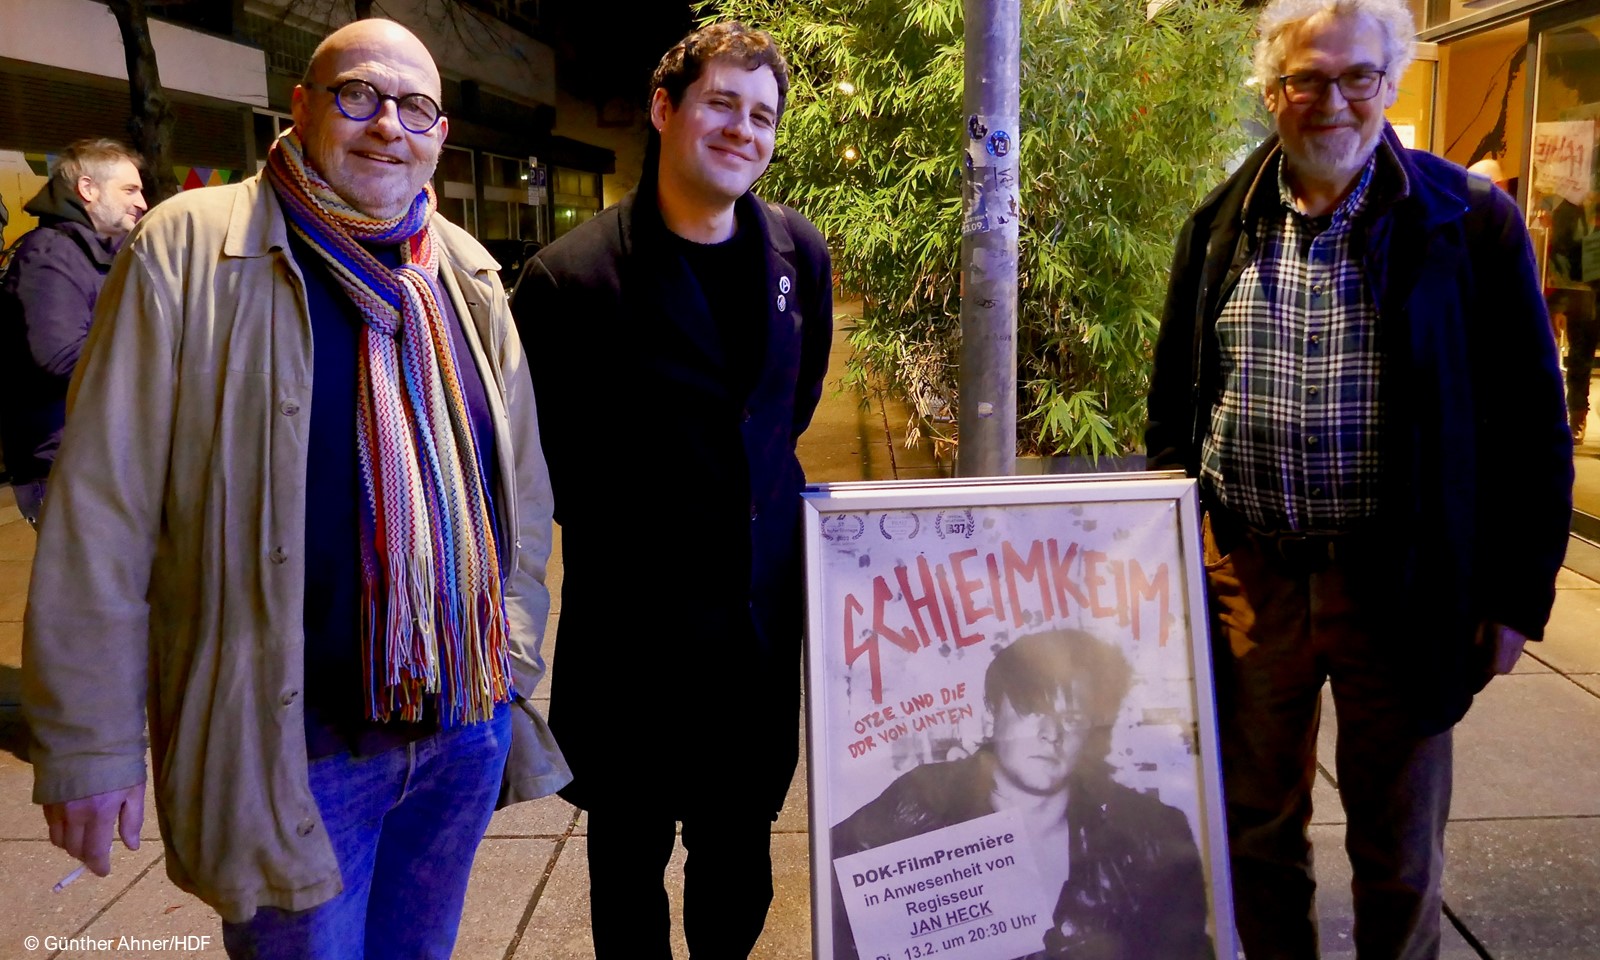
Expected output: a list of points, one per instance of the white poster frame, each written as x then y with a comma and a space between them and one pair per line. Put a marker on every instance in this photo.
835, 513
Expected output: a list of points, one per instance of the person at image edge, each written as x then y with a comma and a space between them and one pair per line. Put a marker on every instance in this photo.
1356, 362
300, 521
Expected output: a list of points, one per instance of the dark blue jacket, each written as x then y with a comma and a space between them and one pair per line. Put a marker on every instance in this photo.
46, 302
1476, 490
682, 602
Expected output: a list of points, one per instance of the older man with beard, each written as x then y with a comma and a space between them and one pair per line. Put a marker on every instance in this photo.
1356, 363
301, 518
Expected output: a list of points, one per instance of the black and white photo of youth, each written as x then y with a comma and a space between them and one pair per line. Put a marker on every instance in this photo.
1127, 876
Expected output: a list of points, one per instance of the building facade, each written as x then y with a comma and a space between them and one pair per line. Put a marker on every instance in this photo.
230, 68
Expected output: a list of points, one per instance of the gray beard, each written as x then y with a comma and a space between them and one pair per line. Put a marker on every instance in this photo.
1322, 163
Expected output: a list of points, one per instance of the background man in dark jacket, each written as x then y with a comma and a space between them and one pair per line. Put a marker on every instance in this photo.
93, 198
1356, 362
678, 343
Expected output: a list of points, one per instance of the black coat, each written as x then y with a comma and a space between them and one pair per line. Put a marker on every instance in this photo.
1476, 487
676, 677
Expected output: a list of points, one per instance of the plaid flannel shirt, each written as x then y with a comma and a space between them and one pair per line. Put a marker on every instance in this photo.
1293, 439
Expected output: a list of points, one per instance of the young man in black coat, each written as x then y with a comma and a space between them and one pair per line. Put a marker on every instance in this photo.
678, 343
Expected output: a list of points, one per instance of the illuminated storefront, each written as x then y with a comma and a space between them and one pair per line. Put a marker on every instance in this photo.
1518, 82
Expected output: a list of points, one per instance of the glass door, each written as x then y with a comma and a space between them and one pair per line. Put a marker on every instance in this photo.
1563, 207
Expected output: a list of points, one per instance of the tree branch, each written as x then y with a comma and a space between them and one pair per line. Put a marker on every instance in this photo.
151, 121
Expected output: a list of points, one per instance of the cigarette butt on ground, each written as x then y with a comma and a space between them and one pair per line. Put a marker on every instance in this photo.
64, 881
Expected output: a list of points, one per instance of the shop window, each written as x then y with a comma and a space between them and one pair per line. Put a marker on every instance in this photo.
507, 214
1564, 218
268, 127
576, 198
494, 222
511, 226
531, 222
458, 188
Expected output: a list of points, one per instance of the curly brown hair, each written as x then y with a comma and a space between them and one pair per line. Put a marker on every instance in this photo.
729, 39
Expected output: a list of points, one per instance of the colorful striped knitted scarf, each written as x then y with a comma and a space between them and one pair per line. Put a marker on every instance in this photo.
433, 616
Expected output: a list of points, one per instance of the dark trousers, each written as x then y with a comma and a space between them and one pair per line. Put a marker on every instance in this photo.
1583, 335
1282, 626
1583, 332
727, 884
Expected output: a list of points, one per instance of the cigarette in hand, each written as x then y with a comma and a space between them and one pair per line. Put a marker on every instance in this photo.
64, 881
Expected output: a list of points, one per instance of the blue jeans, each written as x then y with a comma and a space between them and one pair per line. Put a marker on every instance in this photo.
405, 825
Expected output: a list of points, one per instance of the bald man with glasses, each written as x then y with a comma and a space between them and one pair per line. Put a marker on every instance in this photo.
301, 519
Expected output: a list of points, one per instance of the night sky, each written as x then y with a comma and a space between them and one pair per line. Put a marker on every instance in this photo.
608, 48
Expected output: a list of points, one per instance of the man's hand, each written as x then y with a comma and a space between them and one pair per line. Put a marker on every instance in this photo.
83, 827
1506, 647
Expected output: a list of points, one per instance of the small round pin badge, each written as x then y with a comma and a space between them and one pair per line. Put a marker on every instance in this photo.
783, 303
783, 284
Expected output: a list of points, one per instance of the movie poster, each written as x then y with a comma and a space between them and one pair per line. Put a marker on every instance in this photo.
1012, 733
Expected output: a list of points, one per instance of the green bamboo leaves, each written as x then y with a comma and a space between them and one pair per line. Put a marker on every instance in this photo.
1126, 123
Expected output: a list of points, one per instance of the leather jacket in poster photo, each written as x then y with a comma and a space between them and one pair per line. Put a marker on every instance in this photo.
1136, 890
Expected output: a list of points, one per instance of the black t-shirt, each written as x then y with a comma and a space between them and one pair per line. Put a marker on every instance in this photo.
730, 275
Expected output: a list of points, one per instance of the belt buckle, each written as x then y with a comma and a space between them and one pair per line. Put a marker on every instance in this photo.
1304, 551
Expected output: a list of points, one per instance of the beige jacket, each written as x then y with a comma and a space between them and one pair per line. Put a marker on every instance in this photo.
169, 576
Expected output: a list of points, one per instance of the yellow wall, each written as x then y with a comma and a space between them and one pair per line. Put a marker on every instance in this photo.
1413, 107
18, 184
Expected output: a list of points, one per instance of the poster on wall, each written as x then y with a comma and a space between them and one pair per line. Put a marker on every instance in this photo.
1563, 158
1011, 729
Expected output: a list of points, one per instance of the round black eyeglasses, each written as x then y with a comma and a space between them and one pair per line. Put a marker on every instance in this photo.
359, 100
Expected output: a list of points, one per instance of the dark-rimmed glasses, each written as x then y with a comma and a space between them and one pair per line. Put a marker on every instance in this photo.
359, 100
1354, 85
